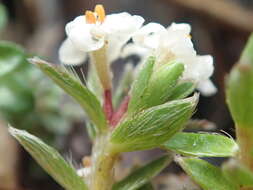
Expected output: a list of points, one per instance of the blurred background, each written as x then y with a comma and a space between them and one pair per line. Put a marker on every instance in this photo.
220, 28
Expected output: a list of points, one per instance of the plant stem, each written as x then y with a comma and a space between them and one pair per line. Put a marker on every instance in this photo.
102, 165
117, 116
245, 140
108, 107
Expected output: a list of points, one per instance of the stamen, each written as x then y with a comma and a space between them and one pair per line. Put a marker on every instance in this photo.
90, 17
99, 9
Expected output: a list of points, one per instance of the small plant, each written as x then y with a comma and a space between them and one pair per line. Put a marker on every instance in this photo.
150, 107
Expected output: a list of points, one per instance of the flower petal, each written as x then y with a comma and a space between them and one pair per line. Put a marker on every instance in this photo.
70, 55
205, 66
86, 37
182, 28
149, 35
134, 49
207, 88
120, 28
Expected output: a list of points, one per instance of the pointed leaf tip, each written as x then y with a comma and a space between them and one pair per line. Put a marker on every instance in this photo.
50, 160
202, 145
73, 87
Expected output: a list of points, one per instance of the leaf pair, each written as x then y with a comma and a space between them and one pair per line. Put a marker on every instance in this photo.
156, 84
66, 175
152, 127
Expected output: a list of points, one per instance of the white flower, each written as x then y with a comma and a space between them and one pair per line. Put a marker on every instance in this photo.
69, 54
174, 43
84, 172
94, 30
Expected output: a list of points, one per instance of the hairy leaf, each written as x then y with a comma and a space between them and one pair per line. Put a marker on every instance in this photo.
152, 127
142, 175
140, 85
182, 90
239, 88
50, 160
77, 90
206, 175
202, 145
162, 84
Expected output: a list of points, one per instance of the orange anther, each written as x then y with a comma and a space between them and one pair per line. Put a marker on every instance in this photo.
90, 17
86, 161
99, 9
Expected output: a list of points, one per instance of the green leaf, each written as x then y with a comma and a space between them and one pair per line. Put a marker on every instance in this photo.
12, 57
182, 90
202, 145
163, 80
50, 160
247, 55
142, 175
3, 16
140, 85
239, 88
206, 175
15, 100
155, 84
77, 90
152, 127
93, 83
124, 84
147, 186
238, 173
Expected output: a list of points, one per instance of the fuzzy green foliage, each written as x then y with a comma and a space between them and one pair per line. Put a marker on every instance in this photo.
50, 160
202, 145
209, 177
77, 90
239, 88
152, 127
137, 179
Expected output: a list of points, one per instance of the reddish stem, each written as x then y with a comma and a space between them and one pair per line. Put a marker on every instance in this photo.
120, 112
108, 107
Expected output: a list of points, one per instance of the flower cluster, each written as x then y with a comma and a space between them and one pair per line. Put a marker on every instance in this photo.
94, 31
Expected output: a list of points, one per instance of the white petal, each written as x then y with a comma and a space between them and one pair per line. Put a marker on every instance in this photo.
207, 88
120, 28
182, 27
205, 66
134, 49
122, 22
84, 172
149, 35
70, 55
86, 37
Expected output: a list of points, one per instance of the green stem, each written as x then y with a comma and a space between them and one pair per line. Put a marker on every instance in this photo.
103, 165
245, 141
